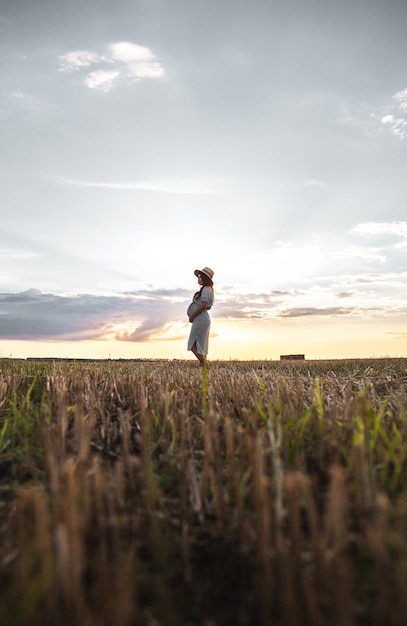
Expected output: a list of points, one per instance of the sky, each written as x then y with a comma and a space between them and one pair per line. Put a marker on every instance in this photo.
144, 139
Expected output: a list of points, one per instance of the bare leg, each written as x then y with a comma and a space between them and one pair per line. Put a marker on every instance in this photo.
201, 357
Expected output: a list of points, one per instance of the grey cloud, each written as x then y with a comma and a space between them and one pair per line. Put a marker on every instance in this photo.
145, 331
235, 313
365, 280
313, 311
336, 311
159, 293
33, 315
253, 305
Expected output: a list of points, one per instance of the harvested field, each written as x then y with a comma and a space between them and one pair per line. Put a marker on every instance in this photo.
152, 493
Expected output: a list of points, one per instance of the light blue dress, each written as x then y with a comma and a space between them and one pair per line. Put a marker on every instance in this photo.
202, 323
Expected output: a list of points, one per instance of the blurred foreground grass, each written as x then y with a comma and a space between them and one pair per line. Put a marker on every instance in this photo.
132, 495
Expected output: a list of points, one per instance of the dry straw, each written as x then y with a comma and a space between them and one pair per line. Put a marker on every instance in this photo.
250, 493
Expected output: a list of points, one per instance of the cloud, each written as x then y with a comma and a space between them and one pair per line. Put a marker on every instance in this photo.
165, 185
313, 183
345, 294
391, 279
401, 97
139, 60
362, 253
396, 119
130, 52
387, 119
101, 79
251, 308
397, 125
123, 62
138, 316
313, 311
78, 59
382, 228
391, 115
400, 335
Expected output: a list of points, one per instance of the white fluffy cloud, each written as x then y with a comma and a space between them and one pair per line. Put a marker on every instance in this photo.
124, 61
396, 119
130, 52
101, 79
397, 125
77, 59
401, 97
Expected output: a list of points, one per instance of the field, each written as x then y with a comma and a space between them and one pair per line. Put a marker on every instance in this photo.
156, 494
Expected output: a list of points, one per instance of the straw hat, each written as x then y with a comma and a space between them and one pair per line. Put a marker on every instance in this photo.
207, 271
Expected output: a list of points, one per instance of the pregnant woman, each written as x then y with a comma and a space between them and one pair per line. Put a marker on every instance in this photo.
198, 315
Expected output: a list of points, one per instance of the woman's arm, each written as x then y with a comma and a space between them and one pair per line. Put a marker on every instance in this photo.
199, 310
